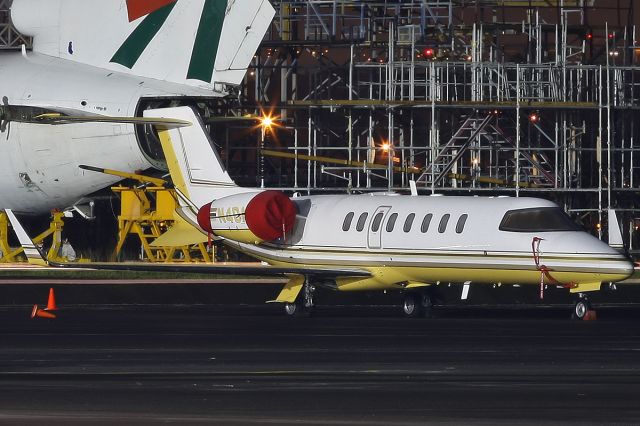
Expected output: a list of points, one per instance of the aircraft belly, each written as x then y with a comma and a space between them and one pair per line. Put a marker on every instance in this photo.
393, 270
44, 169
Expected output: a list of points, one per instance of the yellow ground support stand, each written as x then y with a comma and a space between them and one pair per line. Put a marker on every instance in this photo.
55, 231
148, 212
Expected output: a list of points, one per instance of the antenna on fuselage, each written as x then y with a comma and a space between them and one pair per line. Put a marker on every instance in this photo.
414, 188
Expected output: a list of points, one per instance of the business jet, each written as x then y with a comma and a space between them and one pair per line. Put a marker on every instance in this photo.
376, 241
95, 63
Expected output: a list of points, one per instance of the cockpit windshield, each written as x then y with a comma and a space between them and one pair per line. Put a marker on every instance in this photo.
538, 219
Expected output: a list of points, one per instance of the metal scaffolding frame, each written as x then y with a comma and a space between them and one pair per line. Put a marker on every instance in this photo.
352, 81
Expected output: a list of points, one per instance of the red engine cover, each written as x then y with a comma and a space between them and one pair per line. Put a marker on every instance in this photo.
270, 215
204, 217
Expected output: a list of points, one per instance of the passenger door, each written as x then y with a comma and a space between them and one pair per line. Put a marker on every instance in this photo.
374, 237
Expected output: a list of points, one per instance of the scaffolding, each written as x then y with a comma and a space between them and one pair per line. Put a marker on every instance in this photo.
491, 97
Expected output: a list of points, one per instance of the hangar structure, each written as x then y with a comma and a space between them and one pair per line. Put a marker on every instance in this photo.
491, 97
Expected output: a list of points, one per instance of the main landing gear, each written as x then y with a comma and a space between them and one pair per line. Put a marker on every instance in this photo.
582, 310
417, 304
304, 303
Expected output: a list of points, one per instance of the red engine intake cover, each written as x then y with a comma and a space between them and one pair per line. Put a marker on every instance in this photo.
270, 214
204, 217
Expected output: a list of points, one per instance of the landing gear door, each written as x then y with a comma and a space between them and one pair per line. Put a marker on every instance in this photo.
374, 238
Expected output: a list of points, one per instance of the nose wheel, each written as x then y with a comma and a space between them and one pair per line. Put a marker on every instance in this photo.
582, 310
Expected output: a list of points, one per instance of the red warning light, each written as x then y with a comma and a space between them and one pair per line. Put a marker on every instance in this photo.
611, 35
589, 36
428, 52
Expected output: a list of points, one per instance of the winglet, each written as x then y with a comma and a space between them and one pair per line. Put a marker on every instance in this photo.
33, 253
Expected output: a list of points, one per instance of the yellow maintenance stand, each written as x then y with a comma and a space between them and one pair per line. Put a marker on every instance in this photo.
148, 212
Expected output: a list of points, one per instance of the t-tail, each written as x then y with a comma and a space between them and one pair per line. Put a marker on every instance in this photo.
210, 199
193, 42
33, 253
197, 173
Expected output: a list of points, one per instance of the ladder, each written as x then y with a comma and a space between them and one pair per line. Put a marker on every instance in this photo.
453, 150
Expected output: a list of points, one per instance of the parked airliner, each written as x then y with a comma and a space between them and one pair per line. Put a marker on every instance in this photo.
93, 60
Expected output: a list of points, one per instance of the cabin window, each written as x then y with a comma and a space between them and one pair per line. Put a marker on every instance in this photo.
425, 223
408, 223
443, 223
347, 221
461, 221
375, 226
361, 221
537, 219
392, 222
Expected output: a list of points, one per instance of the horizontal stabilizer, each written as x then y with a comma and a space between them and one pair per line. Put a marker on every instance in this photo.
167, 123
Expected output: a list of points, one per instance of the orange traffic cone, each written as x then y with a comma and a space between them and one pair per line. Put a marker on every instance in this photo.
41, 313
51, 303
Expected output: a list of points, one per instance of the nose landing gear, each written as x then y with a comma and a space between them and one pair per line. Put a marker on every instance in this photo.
582, 310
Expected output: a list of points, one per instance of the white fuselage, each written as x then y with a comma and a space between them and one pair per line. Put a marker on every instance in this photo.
39, 163
409, 251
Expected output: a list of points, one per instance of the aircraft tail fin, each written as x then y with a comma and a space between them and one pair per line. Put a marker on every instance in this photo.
195, 167
195, 42
33, 253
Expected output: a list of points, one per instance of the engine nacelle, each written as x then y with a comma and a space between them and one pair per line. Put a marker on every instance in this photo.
251, 217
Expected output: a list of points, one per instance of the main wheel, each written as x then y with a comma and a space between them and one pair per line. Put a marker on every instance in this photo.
412, 306
293, 309
427, 305
298, 309
581, 308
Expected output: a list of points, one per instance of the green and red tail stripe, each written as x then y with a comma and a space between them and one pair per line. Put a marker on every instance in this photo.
205, 47
139, 8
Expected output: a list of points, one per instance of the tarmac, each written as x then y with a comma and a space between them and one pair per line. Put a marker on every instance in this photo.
240, 363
